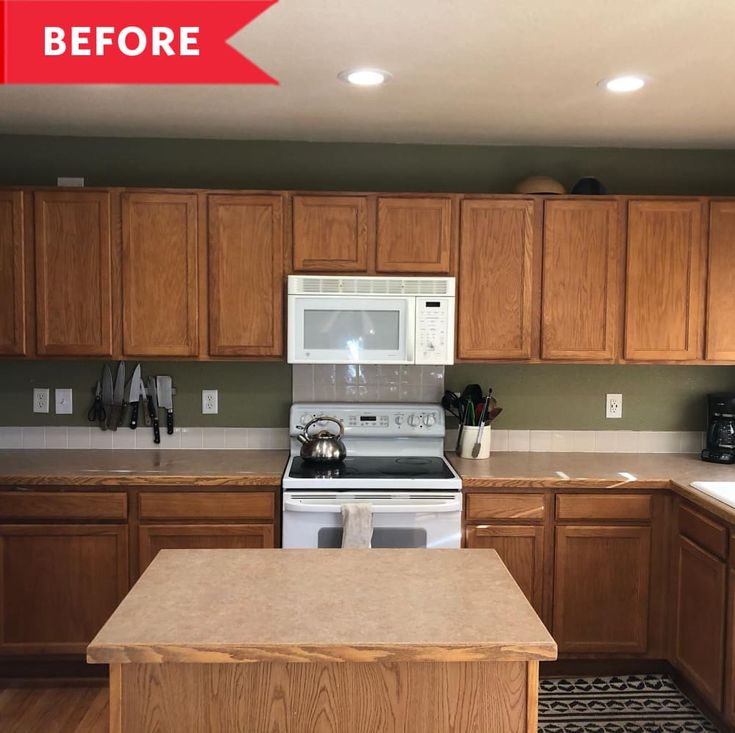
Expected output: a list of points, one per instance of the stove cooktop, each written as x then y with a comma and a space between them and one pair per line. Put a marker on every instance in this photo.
374, 467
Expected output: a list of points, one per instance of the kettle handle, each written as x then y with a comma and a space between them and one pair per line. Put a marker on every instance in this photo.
324, 418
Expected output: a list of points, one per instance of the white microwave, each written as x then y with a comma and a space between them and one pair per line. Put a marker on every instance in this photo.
370, 320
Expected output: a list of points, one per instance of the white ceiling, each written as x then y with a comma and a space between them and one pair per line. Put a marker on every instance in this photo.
464, 71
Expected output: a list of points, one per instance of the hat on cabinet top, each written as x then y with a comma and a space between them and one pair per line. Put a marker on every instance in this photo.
589, 186
539, 185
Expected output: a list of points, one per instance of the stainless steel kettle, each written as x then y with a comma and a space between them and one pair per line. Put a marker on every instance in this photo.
323, 447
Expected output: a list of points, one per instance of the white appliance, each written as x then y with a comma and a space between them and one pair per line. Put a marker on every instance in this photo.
395, 461
370, 320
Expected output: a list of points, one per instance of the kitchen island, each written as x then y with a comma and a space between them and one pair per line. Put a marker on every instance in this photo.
324, 640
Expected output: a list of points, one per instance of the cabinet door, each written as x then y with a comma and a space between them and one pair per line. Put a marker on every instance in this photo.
58, 585
581, 260
521, 549
160, 305
245, 275
73, 273
721, 282
730, 675
699, 637
601, 589
496, 253
12, 275
330, 233
664, 288
156, 537
414, 235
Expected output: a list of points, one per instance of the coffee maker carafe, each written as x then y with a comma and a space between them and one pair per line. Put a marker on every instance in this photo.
720, 428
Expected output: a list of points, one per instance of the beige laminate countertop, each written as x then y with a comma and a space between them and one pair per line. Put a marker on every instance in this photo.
619, 471
148, 467
219, 606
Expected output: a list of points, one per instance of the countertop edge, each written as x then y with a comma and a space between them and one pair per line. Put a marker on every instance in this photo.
146, 479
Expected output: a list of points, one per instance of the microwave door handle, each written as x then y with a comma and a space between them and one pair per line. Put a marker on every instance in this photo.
451, 505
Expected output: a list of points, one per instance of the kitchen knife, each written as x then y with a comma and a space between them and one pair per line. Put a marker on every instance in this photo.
166, 400
153, 408
133, 397
118, 396
106, 394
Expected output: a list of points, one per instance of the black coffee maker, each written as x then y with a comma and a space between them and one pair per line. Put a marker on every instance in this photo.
720, 428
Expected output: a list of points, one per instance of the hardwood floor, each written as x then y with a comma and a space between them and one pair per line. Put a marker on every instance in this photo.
54, 710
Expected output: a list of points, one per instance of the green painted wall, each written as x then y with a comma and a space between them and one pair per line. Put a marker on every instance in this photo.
534, 396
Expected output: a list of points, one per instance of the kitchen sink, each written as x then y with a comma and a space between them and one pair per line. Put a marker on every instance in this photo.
724, 491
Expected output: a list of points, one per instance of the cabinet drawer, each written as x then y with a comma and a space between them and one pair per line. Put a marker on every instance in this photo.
703, 531
572, 507
481, 507
210, 505
78, 505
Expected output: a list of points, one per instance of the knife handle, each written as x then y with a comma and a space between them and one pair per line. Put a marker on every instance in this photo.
170, 422
114, 420
154, 419
134, 414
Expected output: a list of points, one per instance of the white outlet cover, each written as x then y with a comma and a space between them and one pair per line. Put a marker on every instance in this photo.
40, 399
210, 402
614, 406
63, 401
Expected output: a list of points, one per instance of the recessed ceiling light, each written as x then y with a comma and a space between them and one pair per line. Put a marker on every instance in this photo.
364, 77
622, 84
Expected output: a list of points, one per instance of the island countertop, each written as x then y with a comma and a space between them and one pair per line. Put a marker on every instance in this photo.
230, 606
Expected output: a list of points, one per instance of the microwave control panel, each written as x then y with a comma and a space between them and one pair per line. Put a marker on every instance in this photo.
434, 331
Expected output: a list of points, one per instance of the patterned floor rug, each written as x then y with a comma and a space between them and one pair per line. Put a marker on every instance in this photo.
625, 704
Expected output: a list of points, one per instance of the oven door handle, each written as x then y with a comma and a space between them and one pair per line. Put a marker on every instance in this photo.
450, 505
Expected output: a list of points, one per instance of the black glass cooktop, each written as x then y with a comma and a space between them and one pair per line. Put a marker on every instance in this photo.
377, 467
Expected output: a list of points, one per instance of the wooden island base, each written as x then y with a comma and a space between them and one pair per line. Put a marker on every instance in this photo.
435, 697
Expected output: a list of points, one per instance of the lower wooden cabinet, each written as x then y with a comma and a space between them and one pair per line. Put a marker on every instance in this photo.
521, 548
699, 634
156, 537
730, 669
601, 589
59, 584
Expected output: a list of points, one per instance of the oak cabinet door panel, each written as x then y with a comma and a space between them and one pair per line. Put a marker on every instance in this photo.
721, 282
12, 275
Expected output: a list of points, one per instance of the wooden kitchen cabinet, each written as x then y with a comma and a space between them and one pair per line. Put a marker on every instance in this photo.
59, 584
330, 233
159, 274
664, 306
580, 307
156, 537
730, 650
13, 266
497, 250
73, 266
720, 343
601, 589
414, 235
700, 608
521, 548
245, 241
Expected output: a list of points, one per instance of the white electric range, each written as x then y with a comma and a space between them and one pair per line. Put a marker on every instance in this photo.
395, 462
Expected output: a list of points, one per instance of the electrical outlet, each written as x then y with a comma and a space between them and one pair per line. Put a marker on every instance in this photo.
209, 402
614, 406
40, 399
63, 402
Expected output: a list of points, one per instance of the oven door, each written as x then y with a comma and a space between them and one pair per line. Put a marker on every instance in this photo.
429, 519
351, 330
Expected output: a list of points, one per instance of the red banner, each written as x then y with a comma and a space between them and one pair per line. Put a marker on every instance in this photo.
126, 42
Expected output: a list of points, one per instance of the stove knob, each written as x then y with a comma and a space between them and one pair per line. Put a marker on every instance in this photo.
414, 420
429, 419
399, 419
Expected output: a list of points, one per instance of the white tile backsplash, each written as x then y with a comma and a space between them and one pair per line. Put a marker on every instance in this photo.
34, 437
79, 437
56, 437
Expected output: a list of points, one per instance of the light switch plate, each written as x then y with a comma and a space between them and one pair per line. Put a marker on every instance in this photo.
40, 399
63, 401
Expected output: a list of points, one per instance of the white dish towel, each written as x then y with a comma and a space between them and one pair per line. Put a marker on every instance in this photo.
357, 523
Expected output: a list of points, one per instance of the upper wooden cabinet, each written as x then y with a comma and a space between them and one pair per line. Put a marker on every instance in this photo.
12, 275
496, 276
245, 275
720, 342
581, 280
330, 233
414, 235
160, 292
73, 273
665, 280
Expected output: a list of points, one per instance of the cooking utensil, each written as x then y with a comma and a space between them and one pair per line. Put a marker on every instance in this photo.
492, 414
97, 411
135, 390
106, 394
450, 402
481, 423
118, 397
153, 408
324, 447
462, 423
166, 400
